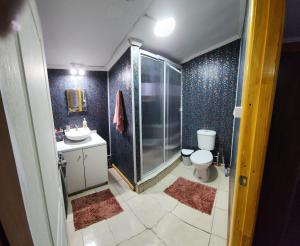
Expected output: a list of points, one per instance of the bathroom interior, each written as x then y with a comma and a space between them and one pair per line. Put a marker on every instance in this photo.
146, 100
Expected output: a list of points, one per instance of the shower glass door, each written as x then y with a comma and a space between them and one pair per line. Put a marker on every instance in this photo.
173, 112
152, 113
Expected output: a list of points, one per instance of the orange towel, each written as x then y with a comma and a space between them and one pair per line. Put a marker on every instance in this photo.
119, 115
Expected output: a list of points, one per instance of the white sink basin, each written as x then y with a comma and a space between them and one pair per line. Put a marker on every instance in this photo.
78, 134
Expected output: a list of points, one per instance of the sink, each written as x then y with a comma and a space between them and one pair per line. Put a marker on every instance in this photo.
78, 134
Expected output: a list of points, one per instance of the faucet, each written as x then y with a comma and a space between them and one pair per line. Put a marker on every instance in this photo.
76, 126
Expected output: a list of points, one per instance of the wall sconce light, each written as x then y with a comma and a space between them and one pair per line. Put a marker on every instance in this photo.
73, 71
77, 70
81, 72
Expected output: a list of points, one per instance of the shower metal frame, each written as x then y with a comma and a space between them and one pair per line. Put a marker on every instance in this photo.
177, 68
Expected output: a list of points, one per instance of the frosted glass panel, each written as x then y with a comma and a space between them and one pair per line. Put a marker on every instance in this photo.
152, 90
173, 114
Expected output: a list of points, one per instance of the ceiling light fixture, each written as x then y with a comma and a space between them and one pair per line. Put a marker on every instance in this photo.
164, 27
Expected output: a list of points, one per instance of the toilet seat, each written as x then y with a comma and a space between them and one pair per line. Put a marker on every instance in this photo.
202, 157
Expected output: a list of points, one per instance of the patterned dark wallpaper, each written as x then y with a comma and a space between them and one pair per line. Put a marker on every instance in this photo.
209, 91
120, 78
95, 84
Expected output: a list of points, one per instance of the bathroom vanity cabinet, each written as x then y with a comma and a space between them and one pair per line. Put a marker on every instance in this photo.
86, 163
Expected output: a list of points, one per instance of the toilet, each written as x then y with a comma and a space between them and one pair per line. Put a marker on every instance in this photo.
203, 158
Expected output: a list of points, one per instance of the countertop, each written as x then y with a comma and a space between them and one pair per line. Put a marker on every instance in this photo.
93, 140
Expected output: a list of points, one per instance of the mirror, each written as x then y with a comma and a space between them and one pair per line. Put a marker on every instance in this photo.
76, 100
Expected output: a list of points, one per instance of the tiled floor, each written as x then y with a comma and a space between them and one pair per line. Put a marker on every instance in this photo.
154, 218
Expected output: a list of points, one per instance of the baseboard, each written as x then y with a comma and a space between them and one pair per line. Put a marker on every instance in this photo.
143, 185
123, 176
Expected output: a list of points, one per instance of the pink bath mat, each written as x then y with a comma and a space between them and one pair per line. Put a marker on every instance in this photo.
193, 194
93, 208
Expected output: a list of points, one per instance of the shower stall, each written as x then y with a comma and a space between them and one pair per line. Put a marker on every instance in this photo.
151, 88
159, 112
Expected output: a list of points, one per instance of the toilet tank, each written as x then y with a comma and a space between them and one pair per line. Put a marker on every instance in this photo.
206, 139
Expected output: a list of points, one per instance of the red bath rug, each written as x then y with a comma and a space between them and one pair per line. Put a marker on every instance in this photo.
193, 194
93, 208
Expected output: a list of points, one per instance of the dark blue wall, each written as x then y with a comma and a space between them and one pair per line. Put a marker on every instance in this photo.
209, 91
120, 78
95, 84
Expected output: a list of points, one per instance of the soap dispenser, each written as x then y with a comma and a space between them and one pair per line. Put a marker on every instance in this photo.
84, 123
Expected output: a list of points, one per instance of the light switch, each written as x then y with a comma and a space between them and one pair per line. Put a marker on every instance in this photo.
237, 112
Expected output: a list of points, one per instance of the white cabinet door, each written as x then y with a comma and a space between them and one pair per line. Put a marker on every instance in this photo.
75, 171
95, 163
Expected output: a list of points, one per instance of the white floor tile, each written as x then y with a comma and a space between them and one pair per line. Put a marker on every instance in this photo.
165, 201
220, 169
162, 184
124, 226
217, 241
98, 234
124, 191
184, 171
224, 183
220, 221
146, 238
194, 217
70, 211
147, 209
222, 199
113, 176
103, 187
175, 232
74, 237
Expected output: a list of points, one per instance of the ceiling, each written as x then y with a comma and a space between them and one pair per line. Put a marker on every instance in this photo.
95, 32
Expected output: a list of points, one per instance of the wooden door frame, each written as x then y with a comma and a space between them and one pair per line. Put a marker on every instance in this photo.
264, 40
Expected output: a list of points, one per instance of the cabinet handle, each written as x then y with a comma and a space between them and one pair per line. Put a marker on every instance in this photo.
79, 157
85, 156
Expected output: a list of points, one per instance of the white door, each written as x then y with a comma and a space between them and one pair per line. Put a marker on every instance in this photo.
95, 164
75, 171
37, 88
19, 120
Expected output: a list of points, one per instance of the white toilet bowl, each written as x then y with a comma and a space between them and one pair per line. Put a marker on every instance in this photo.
201, 160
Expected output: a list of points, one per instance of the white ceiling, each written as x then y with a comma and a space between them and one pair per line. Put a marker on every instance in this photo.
95, 32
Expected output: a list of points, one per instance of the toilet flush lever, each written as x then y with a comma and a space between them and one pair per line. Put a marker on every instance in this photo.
243, 180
